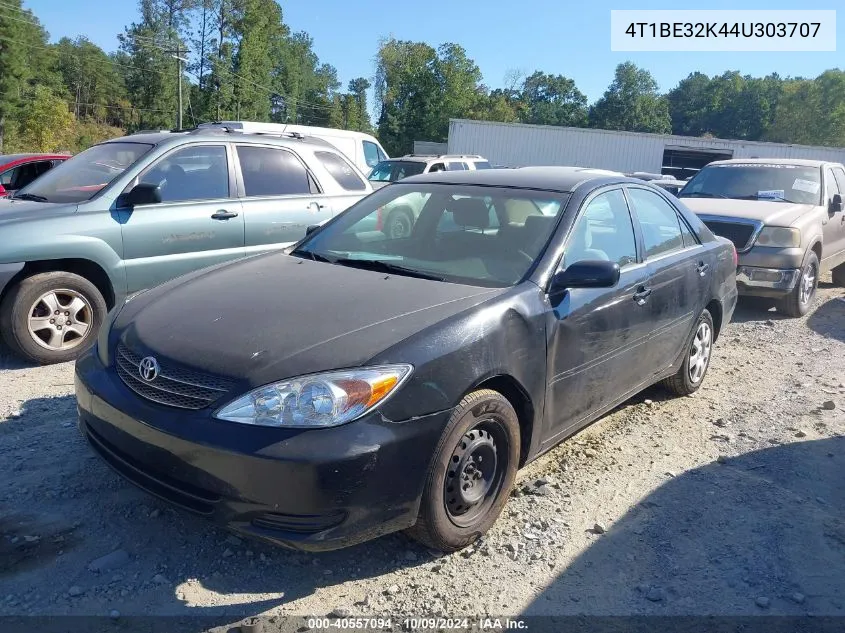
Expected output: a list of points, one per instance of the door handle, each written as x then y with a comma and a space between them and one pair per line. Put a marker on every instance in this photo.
316, 206
702, 269
642, 295
223, 214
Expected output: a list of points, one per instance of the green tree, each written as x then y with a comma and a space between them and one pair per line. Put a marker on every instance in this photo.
360, 116
46, 124
632, 103
811, 112
553, 100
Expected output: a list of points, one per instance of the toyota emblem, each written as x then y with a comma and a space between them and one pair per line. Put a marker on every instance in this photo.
148, 369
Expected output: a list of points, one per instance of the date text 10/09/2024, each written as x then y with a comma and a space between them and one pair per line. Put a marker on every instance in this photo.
418, 623
723, 29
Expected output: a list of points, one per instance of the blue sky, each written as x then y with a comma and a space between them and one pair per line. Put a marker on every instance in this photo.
556, 36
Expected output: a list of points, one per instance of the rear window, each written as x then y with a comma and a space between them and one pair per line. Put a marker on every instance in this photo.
341, 171
482, 164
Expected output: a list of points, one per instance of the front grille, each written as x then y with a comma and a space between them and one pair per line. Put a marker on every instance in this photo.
737, 232
299, 523
174, 386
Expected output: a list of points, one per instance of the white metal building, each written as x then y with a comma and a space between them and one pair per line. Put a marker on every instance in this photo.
517, 144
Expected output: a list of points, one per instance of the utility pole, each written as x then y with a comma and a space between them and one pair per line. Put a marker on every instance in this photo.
179, 61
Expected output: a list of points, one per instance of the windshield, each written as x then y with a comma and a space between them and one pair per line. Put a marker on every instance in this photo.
81, 177
392, 170
757, 181
481, 236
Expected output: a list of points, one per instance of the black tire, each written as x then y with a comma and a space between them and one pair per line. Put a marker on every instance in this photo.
26, 299
483, 417
838, 275
798, 303
687, 381
399, 224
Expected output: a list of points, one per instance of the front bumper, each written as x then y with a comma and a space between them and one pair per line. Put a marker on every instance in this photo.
312, 490
766, 282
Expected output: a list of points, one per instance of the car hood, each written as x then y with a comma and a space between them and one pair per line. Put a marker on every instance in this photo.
271, 317
14, 210
775, 213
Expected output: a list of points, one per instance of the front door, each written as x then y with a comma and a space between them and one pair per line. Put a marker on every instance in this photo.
833, 248
597, 336
198, 222
280, 197
679, 272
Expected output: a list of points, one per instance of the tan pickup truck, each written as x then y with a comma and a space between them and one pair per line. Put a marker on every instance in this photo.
786, 218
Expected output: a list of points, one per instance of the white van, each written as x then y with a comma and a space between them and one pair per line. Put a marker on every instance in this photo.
362, 149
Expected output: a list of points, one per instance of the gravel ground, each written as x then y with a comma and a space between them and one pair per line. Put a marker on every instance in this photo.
726, 502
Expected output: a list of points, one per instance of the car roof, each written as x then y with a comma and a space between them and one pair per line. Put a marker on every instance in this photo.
802, 162
557, 179
218, 134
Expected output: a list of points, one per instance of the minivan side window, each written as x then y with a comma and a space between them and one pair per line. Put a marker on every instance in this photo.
269, 171
372, 155
659, 221
341, 171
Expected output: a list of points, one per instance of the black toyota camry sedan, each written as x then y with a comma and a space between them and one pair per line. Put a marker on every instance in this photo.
362, 384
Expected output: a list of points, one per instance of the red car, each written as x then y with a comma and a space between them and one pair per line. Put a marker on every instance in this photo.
18, 170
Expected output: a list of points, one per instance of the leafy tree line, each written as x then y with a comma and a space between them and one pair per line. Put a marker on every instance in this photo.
242, 61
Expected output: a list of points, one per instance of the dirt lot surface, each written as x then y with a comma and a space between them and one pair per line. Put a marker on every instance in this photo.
727, 502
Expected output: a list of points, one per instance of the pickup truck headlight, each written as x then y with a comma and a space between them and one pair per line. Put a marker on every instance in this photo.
317, 400
779, 237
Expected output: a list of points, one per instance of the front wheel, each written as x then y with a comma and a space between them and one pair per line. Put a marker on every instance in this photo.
473, 470
52, 317
691, 374
399, 224
798, 303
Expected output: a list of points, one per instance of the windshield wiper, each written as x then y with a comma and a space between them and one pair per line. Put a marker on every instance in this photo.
702, 194
383, 266
312, 255
30, 196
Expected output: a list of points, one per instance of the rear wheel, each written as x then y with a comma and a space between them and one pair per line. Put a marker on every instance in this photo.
399, 224
798, 303
472, 473
691, 374
52, 317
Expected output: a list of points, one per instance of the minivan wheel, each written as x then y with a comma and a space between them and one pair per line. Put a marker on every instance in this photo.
799, 301
52, 317
472, 473
691, 374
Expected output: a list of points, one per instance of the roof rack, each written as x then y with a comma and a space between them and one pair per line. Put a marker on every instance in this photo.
225, 129
475, 156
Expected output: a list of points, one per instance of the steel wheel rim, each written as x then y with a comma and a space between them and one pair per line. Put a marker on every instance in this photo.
60, 319
475, 473
699, 357
808, 284
399, 227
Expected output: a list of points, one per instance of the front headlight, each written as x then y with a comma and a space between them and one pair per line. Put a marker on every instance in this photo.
779, 237
318, 400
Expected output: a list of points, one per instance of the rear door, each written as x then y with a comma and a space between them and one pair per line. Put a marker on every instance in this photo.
598, 336
679, 273
348, 187
280, 197
834, 229
198, 223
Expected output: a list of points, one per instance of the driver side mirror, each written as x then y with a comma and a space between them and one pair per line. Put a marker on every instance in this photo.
140, 194
311, 228
836, 205
586, 274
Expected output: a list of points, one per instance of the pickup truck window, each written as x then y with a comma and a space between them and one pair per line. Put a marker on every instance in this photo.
272, 172
80, 178
831, 187
199, 172
839, 173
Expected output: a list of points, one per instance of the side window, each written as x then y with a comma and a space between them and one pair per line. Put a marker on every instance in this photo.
482, 164
839, 173
341, 171
455, 166
831, 186
687, 234
272, 172
659, 222
604, 231
196, 172
372, 155
437, 167
8, 176
381, 154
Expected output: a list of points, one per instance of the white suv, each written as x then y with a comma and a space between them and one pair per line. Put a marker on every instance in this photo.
395, 169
